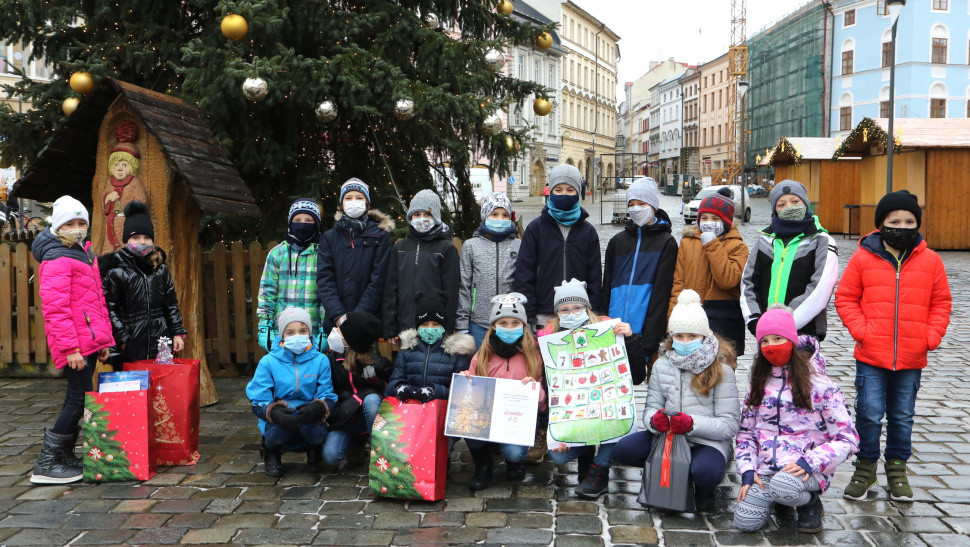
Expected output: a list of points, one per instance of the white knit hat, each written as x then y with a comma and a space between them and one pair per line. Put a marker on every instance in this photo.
291, 315
689, 316
65, 210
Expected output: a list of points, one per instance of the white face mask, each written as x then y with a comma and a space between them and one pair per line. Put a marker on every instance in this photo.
422, 225
335, 341
714, 227
641, 215
355, 208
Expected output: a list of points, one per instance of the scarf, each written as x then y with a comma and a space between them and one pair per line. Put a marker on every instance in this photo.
496, 236
698, 361
438, 231
566, 218
787, 229
503, 350
353, 226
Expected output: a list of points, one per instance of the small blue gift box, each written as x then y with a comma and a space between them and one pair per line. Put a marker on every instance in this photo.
129, 380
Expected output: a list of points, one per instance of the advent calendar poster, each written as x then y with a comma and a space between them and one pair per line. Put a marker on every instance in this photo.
590, 387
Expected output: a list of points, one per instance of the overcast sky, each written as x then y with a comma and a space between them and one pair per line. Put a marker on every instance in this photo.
691, 31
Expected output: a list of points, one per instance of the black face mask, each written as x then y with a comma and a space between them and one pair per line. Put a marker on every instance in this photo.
901, 239
302, 233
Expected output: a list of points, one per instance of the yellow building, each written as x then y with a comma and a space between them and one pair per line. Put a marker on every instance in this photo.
588, 92
714, 120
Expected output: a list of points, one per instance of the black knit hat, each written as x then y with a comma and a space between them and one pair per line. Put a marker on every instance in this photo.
430, 307
900, 200
360, 330
137, 221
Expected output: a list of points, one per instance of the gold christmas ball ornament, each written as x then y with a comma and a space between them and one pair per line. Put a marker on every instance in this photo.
505, 7
431, 20
495, 59
510, 145
395, 470
110, 458
517, 145
404, 109
255, 89
326, 111
544, 41
234, 27
70, 105
542, 106
492, 124
82, 82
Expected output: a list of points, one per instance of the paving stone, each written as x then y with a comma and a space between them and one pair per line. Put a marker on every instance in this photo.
946, 540
211, 535
959, 525
192, 520
457, 536
519, 536
954, 509
425, 506
443, 518
789, 536
876, 524
629, 516
919, 524
465, 505
217, 493
579, 524
354, 537
298, 521
104, 537
133, 506
733, 538
633, 534
165, 479
223, 506
259, 507
289, 507
682, 521
688, 538
146, 520
47, 506
158, 536
395, 521
96, 521
44, 493
518, 505
894, 539
45, 520
42, 537
348, 521
342, 507
841, 537
245, 521
578, 541
124, 492
180, 506
264, 536
486, 520
577, 508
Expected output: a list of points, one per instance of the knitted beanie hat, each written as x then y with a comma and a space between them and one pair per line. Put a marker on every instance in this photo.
689, 316
290, 315
566, 174
508, 305
896, 201
646, 191
786, 187
137, 221
360, 330
495, 200
65, 210
778, 320
719, 204
426, 200
573, 290
355, 185
304, 205
429, 307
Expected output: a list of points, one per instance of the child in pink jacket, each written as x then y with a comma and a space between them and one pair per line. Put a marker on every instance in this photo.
78, 330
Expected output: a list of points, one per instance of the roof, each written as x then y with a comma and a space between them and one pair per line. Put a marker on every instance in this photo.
529, 13
594, 20
67, 165
799, 149
909, 133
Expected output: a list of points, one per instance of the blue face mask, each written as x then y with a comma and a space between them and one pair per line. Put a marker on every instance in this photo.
509, 336
564, 202
497, 225
430, 335
689, 347
297, 343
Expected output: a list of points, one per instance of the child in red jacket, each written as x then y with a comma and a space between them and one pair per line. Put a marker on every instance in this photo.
895, 300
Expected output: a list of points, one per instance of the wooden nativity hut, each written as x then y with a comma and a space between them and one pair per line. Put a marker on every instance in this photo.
931, 159
127, 143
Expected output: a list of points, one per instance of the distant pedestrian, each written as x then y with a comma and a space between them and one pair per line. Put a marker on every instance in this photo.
545, 195
584, 190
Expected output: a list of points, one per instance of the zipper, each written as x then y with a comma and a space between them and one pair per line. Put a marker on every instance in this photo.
774, 448
148, 331
424, 378
899, 268
296, 373
90, 328
351, 240
496, 267
417, 251
564, 238
781, 268
633, 271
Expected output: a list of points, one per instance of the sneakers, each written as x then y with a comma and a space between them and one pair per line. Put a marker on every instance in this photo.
810, 516
483, 469
899, 489
514, 471
53, 466
595, 483
863, 479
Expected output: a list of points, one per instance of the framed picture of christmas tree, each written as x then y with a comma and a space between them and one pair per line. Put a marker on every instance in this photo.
492, 409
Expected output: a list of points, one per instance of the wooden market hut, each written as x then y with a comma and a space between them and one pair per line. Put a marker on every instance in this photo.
831, 184
931, 159
180, 170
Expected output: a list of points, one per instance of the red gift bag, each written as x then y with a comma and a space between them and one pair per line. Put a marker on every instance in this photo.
117, 436
175, 400
409, 450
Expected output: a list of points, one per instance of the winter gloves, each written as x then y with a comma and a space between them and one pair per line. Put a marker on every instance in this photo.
677, 424
314, 412
406, 392
660, 421
284, 417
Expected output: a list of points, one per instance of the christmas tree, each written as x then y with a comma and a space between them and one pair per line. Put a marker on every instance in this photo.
164, 355
104, 458
391, 474
469, 419
339, 76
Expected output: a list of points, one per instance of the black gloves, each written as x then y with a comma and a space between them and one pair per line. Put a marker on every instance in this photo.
284, 417
312, 412
405, 392
425, 394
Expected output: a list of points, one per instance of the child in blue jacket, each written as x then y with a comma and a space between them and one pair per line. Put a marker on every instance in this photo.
292, 394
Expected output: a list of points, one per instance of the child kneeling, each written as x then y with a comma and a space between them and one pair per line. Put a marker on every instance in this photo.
508, 351
795, 428
292, 394
693, 377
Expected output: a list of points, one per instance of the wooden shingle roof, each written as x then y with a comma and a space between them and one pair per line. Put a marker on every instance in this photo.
910, 133
67, 165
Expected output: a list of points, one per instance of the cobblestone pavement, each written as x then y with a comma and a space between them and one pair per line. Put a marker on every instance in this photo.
227, 499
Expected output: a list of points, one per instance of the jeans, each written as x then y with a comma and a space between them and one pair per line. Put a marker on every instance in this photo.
602, 458
892, 393
706, 464
511, 452
307, 436
753, 512
340, 441
78, 383
478, 332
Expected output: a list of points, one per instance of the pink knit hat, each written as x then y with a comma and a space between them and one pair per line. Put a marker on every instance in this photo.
778, 321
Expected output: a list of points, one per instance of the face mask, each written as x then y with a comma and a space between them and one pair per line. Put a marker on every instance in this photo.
714, 227
335, 342
77, 235
641, 215
900, 239
778, 354
497, 225
686, 348
303, 232
564, 202
355, 208
140, 250
509, 336
297, 343
795, 212
570, 321
430, 335
422, 225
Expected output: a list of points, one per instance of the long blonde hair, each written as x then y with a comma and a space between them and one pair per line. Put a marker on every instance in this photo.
354, 361
530, 350
703, 383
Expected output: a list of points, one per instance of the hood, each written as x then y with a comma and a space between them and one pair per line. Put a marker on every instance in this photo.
382, 220
691, 230
810, 344
455, 344
872, 242
661, 225
47, 246
124, 257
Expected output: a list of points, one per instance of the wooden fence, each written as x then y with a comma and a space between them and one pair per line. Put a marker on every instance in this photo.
23, 345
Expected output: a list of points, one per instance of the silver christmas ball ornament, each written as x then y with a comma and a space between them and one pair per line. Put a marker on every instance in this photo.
255, 89
326, 111
495, 59
431, 20
492, 124
404, 109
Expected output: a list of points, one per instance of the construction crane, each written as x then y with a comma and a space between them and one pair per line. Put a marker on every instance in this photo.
737, 72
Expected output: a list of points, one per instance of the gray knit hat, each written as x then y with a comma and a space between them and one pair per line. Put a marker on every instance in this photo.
566, 174
426, 200
494, 200
508, 305
291, 314
784, 187
573, 290
646, 191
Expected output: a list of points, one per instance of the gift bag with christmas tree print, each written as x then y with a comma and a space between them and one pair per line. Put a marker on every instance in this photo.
117, 433
175, 400
409, 450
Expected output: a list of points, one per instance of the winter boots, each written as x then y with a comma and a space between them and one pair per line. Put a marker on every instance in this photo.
272, 461
314, 459
810, 516
863, 479
483, 469
55, 464
583, 462
595, 483
514, 471
539, 448
899, 489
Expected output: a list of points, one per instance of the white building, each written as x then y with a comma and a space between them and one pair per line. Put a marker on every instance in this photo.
671, 105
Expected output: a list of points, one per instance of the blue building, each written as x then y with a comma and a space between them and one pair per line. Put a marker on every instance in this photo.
932, 72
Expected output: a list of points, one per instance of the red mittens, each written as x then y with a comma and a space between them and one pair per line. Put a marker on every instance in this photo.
681, 423
660, 421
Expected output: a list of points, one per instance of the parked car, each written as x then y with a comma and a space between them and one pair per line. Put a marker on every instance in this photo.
690, 211
757, 191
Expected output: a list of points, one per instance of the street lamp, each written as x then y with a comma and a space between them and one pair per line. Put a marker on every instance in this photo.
743, 87
895, 7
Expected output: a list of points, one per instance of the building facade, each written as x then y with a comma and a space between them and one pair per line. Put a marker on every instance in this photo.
714, 116
690, 83
671, 125
931, 61
17, 57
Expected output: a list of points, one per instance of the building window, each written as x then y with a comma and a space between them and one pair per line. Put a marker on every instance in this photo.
939, 51
522, 74
535, 71
883, 109
845, 118
881, 8
887, 54
552, 75
847, 62
849, 18
941, 5
937, 108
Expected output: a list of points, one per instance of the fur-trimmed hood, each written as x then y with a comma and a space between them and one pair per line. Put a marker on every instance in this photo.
455, 344
383, 220
124, 257
691, 230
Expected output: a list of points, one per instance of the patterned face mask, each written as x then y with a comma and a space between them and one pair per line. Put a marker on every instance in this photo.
422, 225
77, 235
140, 250
430, 335
794, 212
714, 227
